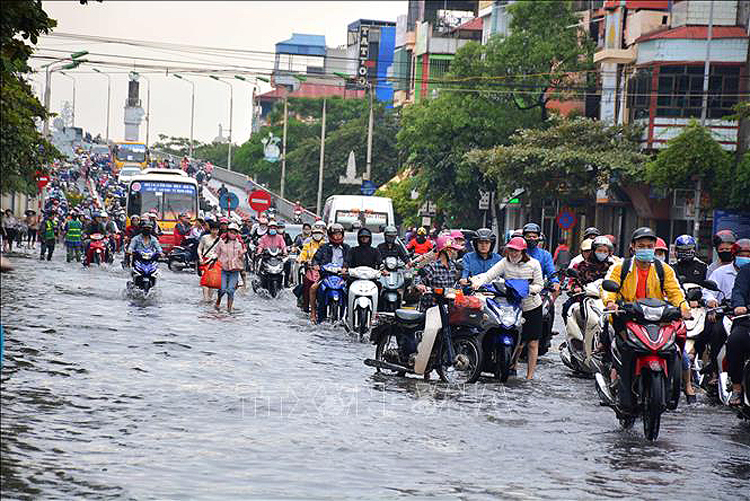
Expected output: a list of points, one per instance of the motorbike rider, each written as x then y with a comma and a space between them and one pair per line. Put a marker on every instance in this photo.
281, 225
390, 247
588, 234
336, 252
646, 278
517, 264
483, 258
688, 267
309, 249
586, 251
441, 273
594, 267
531, 233
260, 229
182, 228
364, 254
661, 251
154, 218
97, 225
723, 242
73, 230
145, 241
271, 240
300, 239
420, 244
738, 344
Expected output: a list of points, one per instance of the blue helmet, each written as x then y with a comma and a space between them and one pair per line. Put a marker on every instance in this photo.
685, 247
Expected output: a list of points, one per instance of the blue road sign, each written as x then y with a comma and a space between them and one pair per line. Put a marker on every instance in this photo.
566, 219
229, 201
368, 188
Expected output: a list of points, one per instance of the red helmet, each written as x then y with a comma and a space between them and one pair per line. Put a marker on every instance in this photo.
741, 245
661, 245
516, 243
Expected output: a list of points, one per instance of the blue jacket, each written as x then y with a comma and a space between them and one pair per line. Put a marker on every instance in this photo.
474, 264
741, 289
545, 259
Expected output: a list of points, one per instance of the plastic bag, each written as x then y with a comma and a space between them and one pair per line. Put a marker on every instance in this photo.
211, 278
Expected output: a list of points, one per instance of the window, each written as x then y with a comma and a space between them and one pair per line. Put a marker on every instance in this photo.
680, 91
438, 68
639, 93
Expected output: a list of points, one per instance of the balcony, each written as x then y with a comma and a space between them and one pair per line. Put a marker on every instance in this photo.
616, 56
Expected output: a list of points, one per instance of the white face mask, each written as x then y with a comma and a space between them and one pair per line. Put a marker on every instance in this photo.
317, 237
602, 256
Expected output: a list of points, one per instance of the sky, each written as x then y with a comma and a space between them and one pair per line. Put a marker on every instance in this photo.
249, 25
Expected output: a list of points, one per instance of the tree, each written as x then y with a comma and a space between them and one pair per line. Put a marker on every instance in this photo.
569, 160
23, 150
542, 58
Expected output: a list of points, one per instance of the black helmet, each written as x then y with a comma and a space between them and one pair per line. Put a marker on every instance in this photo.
363, 232
591, 231
724, 236
643, 232
486, 235
531, 228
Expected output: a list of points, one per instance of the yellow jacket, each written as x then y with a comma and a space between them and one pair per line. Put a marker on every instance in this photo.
309, 249
672, 290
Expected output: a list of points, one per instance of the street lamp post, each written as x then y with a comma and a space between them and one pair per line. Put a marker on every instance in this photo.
109, 95
301, 78
73, 118
74, 57
231, 106
192, 110
252, 99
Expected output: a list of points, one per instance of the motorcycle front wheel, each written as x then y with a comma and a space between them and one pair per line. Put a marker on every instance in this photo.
387, 350
467, 365
504, 360
653, 404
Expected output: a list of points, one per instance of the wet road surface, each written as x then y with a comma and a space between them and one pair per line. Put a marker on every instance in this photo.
106, 398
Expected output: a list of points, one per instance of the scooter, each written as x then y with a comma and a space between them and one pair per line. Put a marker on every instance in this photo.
503, 323
144, 272
270, 272
98, 252
696, 324
363, 300
392, 284
181, 257
331, 298
652, 332
440, 339
583, 328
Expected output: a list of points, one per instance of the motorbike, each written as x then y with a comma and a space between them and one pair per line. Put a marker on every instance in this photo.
98, 251
392, 284
270, 272
696, 324
331, 298
297, 219
443, 338
503, 324
583, 328
653, 329
181, 257
144, 271
362, 300
724, 383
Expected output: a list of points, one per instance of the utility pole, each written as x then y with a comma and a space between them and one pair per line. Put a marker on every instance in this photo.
368, 171
283, 146
318, 206
109, 96
231, 107
75, 61
192, 110
148, 107
704, 114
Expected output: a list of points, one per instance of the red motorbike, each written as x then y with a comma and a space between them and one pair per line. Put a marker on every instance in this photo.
654, 332
98, 252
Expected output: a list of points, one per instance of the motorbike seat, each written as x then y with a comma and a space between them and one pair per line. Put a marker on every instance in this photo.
409, 316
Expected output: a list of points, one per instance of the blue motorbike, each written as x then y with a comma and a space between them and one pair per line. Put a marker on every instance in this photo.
144, 271
332, 294
503, 324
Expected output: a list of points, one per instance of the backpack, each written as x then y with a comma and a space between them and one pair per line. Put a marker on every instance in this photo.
626, 263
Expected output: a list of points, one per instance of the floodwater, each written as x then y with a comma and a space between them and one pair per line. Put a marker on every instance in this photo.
106, 398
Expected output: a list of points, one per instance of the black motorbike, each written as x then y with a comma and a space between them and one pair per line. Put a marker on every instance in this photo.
270, 272
183, 257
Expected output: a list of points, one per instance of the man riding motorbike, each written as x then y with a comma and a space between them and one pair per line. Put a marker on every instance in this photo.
688, 266
281, 226
738, 344
336, 252
364, 254
723, 242
300, 239
531, 233
483, 258
594, 267
645, 278
145, 241
588, 234
390, 247
182, 228
97, 225
420, 244
309, 249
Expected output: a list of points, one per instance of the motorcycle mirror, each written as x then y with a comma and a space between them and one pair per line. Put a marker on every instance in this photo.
571, 272
694, 294
710, 285
610, 286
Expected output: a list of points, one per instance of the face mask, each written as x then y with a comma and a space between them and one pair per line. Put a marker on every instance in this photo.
231, 236
660, 257
272, 232
317, 237
514, 259
741, 261
532, 243
602, 256
645, 255
421, 239
725, 257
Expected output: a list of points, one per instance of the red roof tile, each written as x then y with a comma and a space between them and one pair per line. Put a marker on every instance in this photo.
695, 33
639, 4
475, 25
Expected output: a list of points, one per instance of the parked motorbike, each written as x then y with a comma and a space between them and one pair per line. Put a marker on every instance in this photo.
503, 324
362, 300
144, 271
583, 328
331, 298
182, 257
652, 329
443, 339
392, 284
270, 272
98, 251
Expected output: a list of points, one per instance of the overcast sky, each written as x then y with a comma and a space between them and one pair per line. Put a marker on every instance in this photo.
236, 25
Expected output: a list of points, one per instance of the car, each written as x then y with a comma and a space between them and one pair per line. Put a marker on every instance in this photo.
127, 173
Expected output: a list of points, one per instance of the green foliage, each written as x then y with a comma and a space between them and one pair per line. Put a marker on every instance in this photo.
399, 190
178, 146
733, 185
23, 150
571, 159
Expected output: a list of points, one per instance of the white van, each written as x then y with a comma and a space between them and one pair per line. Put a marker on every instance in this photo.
375, 213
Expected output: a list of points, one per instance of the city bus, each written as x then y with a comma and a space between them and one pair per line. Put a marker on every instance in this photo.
129, 154
169, 192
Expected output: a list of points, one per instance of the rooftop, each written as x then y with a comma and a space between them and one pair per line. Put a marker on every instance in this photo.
695, 33
302, 44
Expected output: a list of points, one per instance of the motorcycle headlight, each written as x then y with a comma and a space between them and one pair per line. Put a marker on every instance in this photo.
508, 315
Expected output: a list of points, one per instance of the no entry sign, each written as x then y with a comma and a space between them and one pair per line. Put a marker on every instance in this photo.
566, 219
259, 200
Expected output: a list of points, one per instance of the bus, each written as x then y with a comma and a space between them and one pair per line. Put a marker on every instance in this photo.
129, 154
375, 213
169, 192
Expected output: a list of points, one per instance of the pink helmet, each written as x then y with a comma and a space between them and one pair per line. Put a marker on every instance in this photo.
517, 243
457, 234
447, 242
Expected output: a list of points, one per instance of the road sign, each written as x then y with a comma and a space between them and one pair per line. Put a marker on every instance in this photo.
229, 201
368, 188
41, 181
259, 200
484, 200
566, 219
427, 209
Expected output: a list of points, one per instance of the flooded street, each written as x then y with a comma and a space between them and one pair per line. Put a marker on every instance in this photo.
106, 398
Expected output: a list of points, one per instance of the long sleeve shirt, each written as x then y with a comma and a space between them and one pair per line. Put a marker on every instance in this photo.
138, 244
206, 247
545, 260
271, 242
741, 289
724, 276
474, 264
230, 254
530, 270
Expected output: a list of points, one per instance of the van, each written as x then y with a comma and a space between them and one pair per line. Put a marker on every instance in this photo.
375, 213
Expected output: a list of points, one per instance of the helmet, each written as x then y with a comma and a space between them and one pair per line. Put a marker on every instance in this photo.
273, 224
643, 232
319, 225
318, 229
421, 231
661, 245
741, 245
336, 233
457, 234
602, 240
612, 240
233, 226
263, 220
335, 227
586, 245
390, 233
182, 214
447, 242
685, 247
484, 235
591, 231
356, 224
531, 228
724, 236
363, 232
517, 243
281, 224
